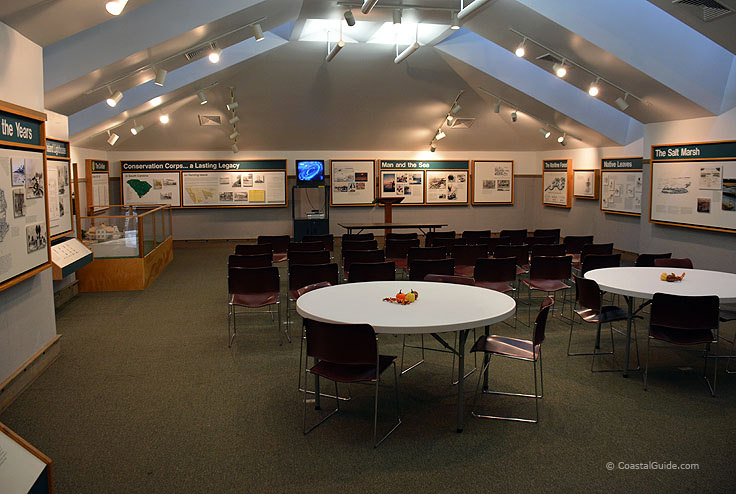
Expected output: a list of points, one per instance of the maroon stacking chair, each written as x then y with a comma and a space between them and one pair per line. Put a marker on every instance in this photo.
305, 246
280, 245
353, 256
517, 237
251, 249
350, 237
302, 364
347, 353
589, 299
520, 252
575, 244
359, 245
517, 349
431, 236
465, 257
547, 250
327, 239
493, 242
495, 273
447, 243
397, 250
647, 260
592, 249
309, 257
402, 236
419, 268
674, 262
372, 271
253, 288
548, 232
301, 275
472, 236
532, 241
445, 278
250, 261
727, 313
546, 274
685, 321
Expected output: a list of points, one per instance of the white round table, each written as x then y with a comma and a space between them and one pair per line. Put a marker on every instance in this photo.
633, 282
441, 307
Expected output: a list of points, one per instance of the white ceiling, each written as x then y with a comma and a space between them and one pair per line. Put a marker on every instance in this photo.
291, 98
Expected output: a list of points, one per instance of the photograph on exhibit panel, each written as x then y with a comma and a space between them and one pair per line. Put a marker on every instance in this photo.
555, 188
447, 187
406, 184
352, 182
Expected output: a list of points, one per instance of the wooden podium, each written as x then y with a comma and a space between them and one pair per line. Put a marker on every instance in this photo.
388, 202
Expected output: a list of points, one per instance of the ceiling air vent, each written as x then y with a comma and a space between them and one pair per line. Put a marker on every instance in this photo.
705, 10
548, 57
205, 120
199, 52
462, 123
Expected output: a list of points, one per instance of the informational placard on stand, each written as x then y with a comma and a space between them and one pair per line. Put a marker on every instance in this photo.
24, 228
621, 185
22, 467
493, 182
585, 184
98, 185
58, 168
194, 184
557, 189
694, 185
352, 182
68, 256
425, 182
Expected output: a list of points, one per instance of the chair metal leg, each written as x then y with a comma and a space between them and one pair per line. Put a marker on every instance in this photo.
646, 365
375, 409
337, 409
403, 347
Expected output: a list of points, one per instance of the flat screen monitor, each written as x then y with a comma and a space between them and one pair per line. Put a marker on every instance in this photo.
310, 173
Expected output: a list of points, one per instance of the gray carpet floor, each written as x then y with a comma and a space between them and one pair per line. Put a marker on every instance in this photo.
147, 397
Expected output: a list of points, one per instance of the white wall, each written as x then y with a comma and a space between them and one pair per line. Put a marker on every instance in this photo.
27, 320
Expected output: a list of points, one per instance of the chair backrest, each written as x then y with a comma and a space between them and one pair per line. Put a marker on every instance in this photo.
341, 343
280, 243
447, 243
305, 246
309, 257
314, 286
399, 248
595, 249
532, 241
429, 238
420, 268
475, 234
426, 253
540, 323
466, 255
356, 236
250, 260
301, 275
575, 243
517, 237
444, 278
684, 312
499, 269
588, 293
401, 236
253, 280
493, 242
596, 261
550, 268
359, 245
327, 239
647, 260
250, 249
372, 271
520, 252
548, 232
674, 262
548, 249
351, 256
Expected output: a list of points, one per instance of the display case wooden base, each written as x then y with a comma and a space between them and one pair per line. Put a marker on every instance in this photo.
125, 274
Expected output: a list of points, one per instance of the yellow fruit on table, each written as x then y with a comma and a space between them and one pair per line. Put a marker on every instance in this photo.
663, 277
410, 297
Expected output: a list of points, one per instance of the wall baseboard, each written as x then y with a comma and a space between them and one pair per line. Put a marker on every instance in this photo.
67, 293
13, 386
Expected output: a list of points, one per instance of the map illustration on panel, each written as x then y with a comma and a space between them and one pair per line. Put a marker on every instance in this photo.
141, 187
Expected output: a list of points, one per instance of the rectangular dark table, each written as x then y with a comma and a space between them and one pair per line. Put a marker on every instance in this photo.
388, 226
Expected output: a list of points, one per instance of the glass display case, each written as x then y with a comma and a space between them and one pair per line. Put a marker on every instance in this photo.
126, 231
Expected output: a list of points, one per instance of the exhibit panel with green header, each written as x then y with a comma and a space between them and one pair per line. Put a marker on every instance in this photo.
425, 182
20, 129
58, 178
621, 185
557, 176
97, 185
693, 185
205, 183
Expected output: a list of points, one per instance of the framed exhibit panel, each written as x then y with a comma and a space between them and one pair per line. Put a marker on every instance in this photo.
694, 185
23, 468
621, 185
402, 178
426, 182
98, 185
24, 227
151, 188
352, 182
585, 184
556, 178
58, 176
448, 186
493, 182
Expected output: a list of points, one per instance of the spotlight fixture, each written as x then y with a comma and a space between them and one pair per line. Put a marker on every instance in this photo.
496, 107
234, 120
114, 98
115, 7
471, 8
621, 102
405, 54
562, 140
514, 116
136, 129
546, 133
202, 98
160, 76
456, 108
335, 49
235, 148
232, 106
113, 138
560, 69
454, 22
215, 53
349, 17
368, 6
520, 50
164, 118
432, 146
593, 89
450, 118
257, 32
440, 135
234, 135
